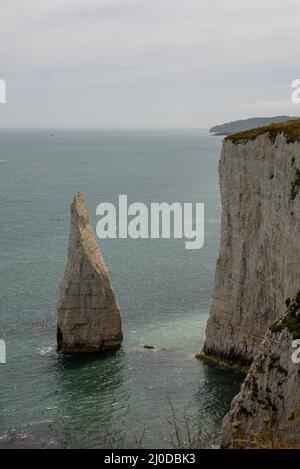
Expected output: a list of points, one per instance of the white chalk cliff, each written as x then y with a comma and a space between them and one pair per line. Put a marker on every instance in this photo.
257, 278
259, 261
88, 314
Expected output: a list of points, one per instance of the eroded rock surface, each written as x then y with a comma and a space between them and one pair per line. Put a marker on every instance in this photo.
266, 412
257, 278
258, 265
88, 314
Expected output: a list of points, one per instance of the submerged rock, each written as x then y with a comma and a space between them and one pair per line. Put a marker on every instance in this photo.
88, 314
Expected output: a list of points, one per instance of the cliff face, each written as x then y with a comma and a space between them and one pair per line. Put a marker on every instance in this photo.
258, 266
266, 412
88, 314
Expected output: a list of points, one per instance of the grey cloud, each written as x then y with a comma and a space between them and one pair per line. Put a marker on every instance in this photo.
146, 62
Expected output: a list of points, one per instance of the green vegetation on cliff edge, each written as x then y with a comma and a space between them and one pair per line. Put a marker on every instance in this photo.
291, 130
291, 321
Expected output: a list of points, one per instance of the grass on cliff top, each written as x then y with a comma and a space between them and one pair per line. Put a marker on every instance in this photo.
291, 130
291, 320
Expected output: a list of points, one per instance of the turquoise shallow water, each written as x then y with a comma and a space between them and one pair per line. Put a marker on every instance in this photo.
163, 290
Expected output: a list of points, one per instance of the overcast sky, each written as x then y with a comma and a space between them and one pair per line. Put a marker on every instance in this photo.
147, 63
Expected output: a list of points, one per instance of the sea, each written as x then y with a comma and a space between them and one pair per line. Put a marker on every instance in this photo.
133, 397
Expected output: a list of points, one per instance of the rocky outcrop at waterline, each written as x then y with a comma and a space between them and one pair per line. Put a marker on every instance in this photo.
266, 412
259, 260
88, 314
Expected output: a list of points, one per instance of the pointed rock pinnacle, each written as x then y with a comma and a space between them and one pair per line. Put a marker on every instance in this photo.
88, 314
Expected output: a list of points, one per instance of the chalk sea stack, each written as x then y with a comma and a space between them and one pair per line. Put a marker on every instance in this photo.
88, 314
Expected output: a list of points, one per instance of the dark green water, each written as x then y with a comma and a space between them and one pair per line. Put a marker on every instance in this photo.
163, 290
